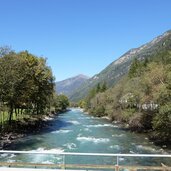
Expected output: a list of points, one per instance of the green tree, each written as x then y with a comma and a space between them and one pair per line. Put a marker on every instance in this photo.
103, 87
61, 103
82, 104
135, 68
26, 83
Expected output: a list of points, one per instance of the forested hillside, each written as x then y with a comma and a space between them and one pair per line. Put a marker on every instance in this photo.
119, 68
142, 98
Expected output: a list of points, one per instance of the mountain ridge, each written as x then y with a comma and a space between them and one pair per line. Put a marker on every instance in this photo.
118, 68
68, 85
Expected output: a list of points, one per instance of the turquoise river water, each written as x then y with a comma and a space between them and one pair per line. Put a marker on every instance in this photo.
75, 131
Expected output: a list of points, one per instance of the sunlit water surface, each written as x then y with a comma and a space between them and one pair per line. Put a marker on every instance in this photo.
75, 131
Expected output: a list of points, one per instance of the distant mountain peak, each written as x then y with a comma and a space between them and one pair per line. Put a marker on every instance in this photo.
69, 85
82, 76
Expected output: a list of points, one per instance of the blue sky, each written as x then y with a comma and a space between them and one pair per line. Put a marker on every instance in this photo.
81, 36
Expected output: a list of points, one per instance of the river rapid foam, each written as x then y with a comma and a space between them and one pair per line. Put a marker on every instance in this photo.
75, 131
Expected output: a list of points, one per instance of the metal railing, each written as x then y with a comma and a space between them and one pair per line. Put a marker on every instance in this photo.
64, 165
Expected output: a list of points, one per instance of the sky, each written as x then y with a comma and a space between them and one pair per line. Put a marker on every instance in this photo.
81, 36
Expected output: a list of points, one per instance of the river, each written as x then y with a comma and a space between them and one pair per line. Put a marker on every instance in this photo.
75, 131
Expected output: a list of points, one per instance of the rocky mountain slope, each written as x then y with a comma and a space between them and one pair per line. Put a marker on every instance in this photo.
114, 72
69, 85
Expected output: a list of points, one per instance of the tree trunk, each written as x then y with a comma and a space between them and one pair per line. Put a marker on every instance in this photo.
10, 113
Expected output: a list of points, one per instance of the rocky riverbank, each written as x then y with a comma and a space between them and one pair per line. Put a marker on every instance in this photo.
19, 129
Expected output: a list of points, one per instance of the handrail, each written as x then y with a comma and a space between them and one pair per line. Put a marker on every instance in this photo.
86, 154
66, 166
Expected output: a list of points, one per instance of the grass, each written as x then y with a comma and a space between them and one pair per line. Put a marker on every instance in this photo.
4, 116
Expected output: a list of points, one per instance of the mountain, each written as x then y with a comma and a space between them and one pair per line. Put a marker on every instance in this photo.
69, 85
117, 69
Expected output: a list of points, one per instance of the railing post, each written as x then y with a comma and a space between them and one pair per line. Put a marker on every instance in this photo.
117, 163
118, 160
63, 164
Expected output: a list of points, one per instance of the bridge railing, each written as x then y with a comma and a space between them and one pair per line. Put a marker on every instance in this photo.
64, 165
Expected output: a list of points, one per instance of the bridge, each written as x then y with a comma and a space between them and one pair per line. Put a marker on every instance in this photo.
22, 166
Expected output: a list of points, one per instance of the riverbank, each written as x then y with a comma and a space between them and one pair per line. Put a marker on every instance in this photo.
20, 129
150, 134
25, 127
76, 132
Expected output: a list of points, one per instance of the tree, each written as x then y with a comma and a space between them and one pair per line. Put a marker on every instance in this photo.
25, 82
82, 104
61, 103
10, 75
103, 87
135, 68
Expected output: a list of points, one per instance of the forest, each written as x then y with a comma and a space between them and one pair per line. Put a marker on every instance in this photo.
27, 89
141, 100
